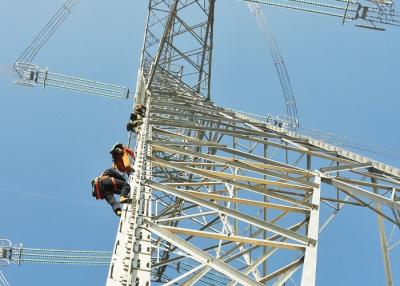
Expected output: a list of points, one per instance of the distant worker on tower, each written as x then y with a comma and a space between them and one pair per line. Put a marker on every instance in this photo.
136, 118
111, 183
122, 158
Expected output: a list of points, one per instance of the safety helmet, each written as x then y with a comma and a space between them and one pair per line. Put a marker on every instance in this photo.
115, 146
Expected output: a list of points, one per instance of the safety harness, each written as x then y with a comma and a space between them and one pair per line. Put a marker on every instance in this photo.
96, 186
96, 189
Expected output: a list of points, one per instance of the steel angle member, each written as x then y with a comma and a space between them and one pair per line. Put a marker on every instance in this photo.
236, 214
302, 173
248, 202
190, 120
295, 149
161, 104
237, 163
201, 116
200, 255
261, 259
235, 238
225, 176
368, 184
310, 256
361, 192
295, 144
387, 169
285, 276
205, 183
175, 280
345, 167
176, 218
293, 265
255, 189
228, 257
258, 158
181, 136
176, 123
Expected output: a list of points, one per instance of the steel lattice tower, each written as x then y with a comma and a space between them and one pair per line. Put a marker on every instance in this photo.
220, 197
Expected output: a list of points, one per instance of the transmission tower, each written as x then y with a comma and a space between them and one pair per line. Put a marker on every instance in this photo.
222, 191
219, 196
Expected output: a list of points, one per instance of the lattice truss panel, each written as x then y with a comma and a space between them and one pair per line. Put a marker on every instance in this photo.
235, 201
178, 39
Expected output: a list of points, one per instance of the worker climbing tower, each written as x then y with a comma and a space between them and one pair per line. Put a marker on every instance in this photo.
221, 197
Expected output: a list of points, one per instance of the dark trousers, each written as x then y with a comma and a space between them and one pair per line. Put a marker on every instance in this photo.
109, 189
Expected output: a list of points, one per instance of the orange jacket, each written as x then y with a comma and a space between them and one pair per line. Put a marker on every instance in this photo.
122, 162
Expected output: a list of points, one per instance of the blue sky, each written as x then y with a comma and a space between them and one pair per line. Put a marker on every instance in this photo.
345, 80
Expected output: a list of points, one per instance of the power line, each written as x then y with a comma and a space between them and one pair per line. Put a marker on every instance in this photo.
328, 137
38, 195
372, 13
18, 254
279, 63
47, 32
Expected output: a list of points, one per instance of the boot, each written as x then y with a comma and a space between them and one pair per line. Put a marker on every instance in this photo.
130, 126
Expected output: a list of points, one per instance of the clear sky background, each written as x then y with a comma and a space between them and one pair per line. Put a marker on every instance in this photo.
345, 80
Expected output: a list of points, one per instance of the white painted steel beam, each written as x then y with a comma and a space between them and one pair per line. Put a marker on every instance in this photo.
340, 168
288, 268
236, 163
384, 244
361, 192
308, 277
250, 202
222, 179
241, 239
201, 256
235, 214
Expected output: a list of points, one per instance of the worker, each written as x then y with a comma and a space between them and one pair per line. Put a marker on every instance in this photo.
136, 118
111, 183
139, 112
122, 158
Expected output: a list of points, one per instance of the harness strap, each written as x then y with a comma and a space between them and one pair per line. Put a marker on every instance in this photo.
97, 189
114, 183
97, 181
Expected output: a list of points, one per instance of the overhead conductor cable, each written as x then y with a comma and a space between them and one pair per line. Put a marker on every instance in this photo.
279, 63
47, 32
